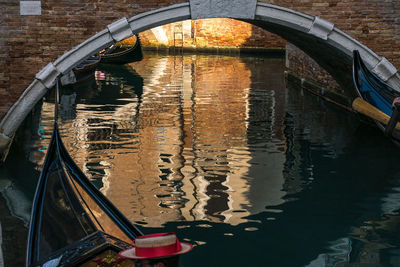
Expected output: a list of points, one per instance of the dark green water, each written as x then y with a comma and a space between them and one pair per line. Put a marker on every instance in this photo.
223, 152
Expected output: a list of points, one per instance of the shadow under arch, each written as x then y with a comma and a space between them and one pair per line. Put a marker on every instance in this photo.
320, 39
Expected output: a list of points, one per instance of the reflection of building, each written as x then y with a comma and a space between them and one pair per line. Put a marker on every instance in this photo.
372, 237
219, 109
340, 253
325, 163
266, 139
179, 149
214, 126
185, 175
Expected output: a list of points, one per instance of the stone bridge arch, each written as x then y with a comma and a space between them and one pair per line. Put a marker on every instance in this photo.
320, 39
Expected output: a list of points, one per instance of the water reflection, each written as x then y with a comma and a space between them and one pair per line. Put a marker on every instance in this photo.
219, 149
176, 143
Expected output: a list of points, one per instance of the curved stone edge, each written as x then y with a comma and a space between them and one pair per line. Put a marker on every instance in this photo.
158, 17
379, 65
327, 32
119, 30
283, 16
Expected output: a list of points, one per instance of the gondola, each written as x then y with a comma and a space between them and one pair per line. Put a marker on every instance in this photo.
72, 223
376, 98
122, 54
85, 70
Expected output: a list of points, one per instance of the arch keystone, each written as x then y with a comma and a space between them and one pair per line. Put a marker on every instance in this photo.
120, 29
238, 9
321, 28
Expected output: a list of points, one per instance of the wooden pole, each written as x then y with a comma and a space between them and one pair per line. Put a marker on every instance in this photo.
372, 112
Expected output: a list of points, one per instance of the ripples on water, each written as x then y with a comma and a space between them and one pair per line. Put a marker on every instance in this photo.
221, 151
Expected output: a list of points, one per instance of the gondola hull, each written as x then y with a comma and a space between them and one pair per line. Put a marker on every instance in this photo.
123, 55
86, 69
374, 91
72, 222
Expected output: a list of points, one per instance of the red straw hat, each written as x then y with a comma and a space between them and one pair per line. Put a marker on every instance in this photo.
159, 245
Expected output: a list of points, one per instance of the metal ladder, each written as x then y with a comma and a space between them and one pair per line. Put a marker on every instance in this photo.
178, 37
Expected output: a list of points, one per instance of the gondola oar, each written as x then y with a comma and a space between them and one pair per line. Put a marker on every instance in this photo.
365, 108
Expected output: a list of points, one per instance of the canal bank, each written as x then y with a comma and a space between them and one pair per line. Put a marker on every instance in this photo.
234, 51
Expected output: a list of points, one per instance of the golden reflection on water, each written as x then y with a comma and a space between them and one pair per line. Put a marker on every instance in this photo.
180, 150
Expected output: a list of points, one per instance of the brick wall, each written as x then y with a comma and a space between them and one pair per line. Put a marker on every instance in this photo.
28, 43
374, 23
214, 33
305, 67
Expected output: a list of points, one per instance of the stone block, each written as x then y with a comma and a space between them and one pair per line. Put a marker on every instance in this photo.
384, 69
48, 75
321, 28
30, 8
120, 30
239, 9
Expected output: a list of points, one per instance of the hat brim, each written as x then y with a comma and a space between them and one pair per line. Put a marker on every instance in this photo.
130, 253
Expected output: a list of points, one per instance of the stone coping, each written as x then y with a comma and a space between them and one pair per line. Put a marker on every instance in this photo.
219, 50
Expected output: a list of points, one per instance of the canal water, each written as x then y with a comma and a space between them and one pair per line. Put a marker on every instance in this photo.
222, 151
